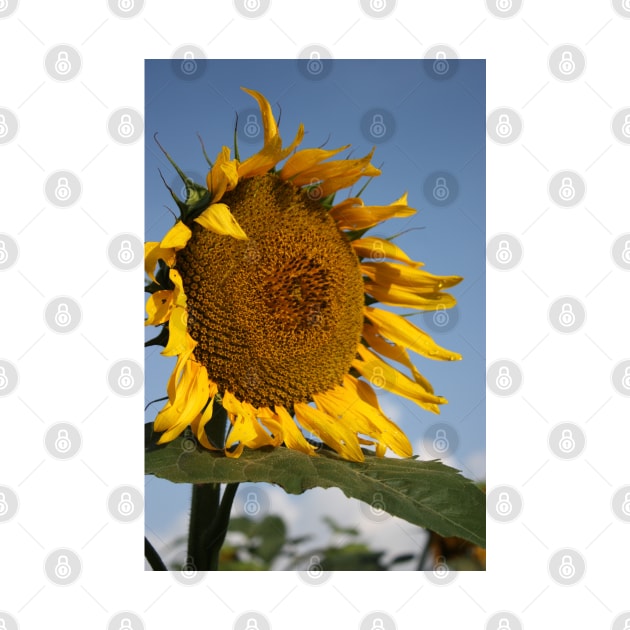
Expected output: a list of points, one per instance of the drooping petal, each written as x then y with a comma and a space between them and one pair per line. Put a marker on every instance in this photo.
292, 435
338, 436
152, 253
401, 331
178, 337
377, 249
397, 296
191, 394
338, 170
306, 159
351, 214
199, 422
386, 273
383, 375
218, 218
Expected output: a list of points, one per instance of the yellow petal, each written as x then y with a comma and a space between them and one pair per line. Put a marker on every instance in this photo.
383, 375
397, 296
199, 422
395, 353
401, 331
158, 307
178, 337
348, 408
377, 249
331, 432
269, 122
351, 214
347, 170
218, 218
291, 433
271, 153
306, 159
386, 273
223, 176
246, 429
190, 397
152, 253
176, 237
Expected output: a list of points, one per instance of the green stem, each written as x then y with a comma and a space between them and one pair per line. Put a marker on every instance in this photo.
153, 557
220, 525
203, 509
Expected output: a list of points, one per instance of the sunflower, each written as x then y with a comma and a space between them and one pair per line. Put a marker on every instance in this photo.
266, 292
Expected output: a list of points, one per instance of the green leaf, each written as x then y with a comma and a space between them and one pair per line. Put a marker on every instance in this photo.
425, 493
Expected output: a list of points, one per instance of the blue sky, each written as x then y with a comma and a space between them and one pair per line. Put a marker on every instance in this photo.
438, 125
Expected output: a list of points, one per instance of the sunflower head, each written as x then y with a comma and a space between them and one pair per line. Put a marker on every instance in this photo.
268, 292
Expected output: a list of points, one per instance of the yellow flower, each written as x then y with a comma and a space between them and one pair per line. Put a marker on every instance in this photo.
268, 292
